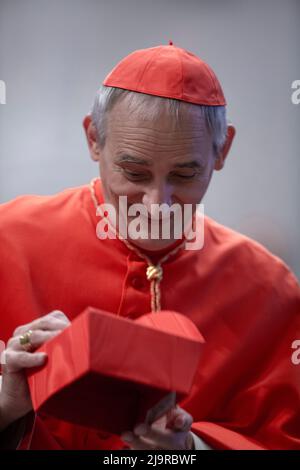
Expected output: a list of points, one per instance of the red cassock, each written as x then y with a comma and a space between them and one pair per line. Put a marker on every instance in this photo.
244, 301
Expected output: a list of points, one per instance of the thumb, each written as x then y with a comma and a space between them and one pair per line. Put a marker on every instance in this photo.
179, 419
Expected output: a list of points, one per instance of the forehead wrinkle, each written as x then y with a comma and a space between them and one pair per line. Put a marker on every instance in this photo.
124, 157
145, 142
188, 134
141, 152
182, 159
134, 137
146, 148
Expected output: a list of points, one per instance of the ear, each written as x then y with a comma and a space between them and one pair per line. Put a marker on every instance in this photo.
220, 160
91, 136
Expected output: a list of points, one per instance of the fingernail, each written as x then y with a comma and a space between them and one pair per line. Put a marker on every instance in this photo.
42, 356
141, 429
180, 421
127, 436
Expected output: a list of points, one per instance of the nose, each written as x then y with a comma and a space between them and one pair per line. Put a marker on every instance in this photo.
162, 194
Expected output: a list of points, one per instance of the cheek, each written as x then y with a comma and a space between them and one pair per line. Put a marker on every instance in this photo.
117, 186
191, 194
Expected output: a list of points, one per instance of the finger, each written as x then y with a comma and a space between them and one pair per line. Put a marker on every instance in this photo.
164, 438
55, 320
138, 443
37, 338
18, 360
59, 314
41, 324
52, 321
179, 419
173, 434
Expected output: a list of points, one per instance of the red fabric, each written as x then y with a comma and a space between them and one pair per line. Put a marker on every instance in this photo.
102, 357
170, 72
244, 301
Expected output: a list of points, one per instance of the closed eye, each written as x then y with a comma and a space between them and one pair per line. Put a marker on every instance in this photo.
134, 175
187, 176
184, 176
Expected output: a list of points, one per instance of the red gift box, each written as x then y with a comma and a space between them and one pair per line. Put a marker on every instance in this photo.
108, 372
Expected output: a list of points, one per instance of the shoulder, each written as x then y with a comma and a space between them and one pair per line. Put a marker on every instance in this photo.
24, 211
240, 257
31, 205
25, 218
232, 244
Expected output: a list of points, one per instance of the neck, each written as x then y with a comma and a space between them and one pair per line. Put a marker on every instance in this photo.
156, 255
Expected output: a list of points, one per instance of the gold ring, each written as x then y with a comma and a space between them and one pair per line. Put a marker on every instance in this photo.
25, 340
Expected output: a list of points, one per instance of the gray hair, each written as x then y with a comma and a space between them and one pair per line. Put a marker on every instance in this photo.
149, 106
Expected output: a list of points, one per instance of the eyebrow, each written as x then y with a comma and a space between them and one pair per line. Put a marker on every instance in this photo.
124, 157
192, 164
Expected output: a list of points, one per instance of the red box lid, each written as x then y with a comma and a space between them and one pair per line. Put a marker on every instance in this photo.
106, 372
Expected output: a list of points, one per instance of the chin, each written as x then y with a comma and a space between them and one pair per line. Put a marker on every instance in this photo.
152, 245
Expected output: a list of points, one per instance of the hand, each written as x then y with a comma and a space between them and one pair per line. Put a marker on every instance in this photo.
15, 399
171, 432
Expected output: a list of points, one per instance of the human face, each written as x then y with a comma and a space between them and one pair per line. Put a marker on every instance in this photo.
155, 162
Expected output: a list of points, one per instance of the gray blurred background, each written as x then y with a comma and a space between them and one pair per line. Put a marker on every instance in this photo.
54, 54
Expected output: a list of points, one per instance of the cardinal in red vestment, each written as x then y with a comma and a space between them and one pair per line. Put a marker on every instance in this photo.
157, 130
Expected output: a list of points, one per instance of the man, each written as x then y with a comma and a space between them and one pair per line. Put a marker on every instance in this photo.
158, 131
